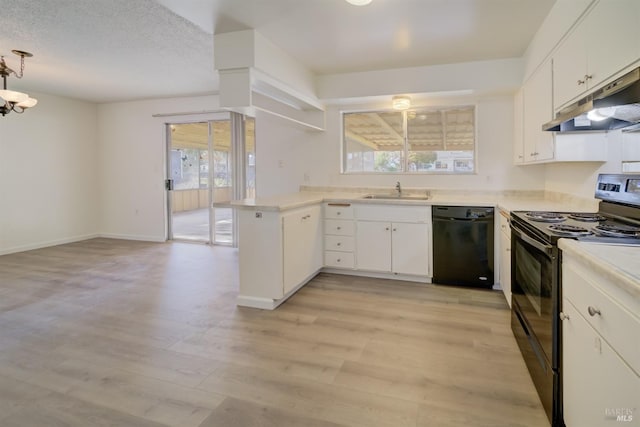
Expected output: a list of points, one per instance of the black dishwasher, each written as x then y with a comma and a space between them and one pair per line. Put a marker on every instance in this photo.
463, 246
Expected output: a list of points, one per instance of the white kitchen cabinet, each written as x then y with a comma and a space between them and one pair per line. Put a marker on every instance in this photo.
505, 255
373, 246
394, 239
339, 236
538, 146
518, 127
601, 356
537, 110
396, 247
604, 43
279, 252
410, 248
302, 246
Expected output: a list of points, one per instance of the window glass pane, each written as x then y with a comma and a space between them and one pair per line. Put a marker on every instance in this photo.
437, 140
185, 166
374, 142
441, 140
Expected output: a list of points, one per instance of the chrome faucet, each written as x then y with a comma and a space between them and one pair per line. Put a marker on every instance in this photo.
398, 188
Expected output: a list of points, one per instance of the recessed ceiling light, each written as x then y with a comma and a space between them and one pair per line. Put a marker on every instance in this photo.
359, 2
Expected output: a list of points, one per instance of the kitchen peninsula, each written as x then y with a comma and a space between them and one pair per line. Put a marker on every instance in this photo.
285, 240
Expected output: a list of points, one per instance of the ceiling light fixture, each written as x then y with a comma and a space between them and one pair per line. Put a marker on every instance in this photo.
13, 100
359, 2
401, 102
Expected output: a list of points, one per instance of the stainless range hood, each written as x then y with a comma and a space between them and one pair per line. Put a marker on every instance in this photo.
615, 106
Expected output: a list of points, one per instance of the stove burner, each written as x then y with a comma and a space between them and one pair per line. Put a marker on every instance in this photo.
617, 230
587, 217
545, 216
569, 230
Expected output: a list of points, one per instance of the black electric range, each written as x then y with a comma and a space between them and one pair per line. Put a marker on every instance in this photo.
536, 275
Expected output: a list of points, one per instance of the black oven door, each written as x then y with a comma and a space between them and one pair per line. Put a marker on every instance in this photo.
534, 281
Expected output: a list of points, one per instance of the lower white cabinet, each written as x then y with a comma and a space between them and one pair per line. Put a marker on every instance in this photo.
601, 354
400, 245
302, 246
279, 251
505, 256
373, 247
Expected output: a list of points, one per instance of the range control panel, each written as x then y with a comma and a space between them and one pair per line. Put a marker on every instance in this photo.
619, 188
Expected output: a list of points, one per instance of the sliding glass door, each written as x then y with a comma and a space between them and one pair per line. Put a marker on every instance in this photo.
208, 162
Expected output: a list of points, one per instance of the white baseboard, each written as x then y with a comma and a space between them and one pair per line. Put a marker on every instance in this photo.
141, 238
378, 275
257, 302
40, 245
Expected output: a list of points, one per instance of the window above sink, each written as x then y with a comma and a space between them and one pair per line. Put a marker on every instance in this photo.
422, 140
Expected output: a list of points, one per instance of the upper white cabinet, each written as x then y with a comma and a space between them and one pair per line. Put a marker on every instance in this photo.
538, 146
537, 109
518, 130
604, 43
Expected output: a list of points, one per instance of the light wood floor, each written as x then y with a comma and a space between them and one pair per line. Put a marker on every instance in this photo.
117, 333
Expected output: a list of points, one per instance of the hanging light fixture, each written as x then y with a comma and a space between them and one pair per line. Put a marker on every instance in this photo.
401, 102
13, 100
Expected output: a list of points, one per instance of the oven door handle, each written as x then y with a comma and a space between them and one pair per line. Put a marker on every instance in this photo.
542, 247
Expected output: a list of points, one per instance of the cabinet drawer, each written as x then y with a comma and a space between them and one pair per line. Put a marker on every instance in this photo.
338, 211
339, 243
339, 259
619, 327
338, 227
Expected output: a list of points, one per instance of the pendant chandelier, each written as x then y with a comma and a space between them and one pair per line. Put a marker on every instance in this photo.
14, 100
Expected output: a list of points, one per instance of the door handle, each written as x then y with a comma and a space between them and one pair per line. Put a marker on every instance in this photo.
168, 184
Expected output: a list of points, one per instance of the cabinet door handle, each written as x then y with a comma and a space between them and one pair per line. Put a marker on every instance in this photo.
338, 260
387, 228
588, 77
581, 82
593, 311
564, 316
338, 244
338, 213
338, 228
395, 229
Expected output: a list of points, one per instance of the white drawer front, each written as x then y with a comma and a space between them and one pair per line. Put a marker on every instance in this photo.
420, 214
338, 227
339, 243
338, 211
616, 325
339, 259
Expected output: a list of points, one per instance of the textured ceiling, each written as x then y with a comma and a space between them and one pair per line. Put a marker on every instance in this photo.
107, 50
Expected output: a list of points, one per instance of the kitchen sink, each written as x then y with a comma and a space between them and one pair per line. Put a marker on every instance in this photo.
397, 196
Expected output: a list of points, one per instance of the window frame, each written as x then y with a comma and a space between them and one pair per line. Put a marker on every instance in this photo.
405, 150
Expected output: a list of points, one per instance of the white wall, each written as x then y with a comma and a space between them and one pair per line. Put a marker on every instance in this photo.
282, 155
579, 179
48, 161
132, 146
495, 170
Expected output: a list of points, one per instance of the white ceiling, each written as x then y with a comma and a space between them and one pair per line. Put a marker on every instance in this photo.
109, 50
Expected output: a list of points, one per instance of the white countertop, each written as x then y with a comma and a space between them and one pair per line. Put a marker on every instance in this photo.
619, 263
505, 202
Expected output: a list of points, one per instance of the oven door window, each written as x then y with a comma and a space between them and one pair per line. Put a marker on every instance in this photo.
533, 284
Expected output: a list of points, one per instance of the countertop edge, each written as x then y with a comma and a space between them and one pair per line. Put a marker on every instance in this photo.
584, 252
